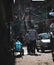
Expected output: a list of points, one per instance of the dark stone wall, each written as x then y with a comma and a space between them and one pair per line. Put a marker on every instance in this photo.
5, 18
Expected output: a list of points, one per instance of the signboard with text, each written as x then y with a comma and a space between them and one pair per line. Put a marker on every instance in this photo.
38, 0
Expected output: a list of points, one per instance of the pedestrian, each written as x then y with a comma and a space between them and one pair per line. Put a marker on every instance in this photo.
33, 37
21, 38
52, 44
27, 41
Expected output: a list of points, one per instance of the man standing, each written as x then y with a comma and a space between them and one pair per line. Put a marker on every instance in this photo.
33, 36
52, 44
27, 39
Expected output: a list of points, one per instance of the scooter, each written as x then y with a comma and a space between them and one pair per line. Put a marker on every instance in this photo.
19, 48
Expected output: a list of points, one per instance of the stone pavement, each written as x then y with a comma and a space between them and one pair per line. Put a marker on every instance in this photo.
38, 59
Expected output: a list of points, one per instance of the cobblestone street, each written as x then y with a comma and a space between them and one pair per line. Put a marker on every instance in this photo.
38, 59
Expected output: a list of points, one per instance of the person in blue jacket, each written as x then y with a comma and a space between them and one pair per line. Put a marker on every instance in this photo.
18, 45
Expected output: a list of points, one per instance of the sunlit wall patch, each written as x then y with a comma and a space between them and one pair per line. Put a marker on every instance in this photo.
14, 1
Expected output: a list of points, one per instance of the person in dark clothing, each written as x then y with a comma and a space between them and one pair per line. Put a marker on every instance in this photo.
27, 41
32, 38
52, 44
21, 38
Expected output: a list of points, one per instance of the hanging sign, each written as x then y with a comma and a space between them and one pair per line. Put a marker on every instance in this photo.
38, 0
